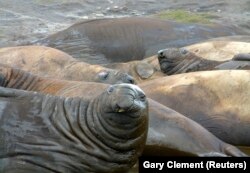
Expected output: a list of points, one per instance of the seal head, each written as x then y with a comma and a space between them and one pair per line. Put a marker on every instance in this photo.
171, 60
114, 77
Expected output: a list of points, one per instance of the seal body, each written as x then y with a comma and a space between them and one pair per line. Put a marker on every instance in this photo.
43, 133
219, 50
53, 63
167, 128
180, 60
218, 100
110, 40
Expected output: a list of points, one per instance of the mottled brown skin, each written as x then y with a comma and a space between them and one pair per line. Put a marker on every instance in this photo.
221, 50
141, 71
167, 128
109, 40
180, 60
46, 133
218, 100
50, 62
172, 134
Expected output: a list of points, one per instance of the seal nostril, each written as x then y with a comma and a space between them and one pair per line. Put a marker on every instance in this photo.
131, 80
160, 53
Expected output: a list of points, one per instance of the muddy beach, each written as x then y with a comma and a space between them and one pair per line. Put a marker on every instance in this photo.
27, 21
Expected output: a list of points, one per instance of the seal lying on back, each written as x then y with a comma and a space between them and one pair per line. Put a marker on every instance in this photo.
50, 62
170, 133
43, 133
110, 40
180, 60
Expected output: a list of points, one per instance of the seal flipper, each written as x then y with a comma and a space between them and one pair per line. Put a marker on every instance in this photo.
241, 57
144, 70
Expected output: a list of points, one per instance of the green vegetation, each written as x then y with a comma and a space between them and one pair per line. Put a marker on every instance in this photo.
186, 16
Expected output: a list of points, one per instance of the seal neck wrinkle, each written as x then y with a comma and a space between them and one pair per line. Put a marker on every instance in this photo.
18, 79
116, 143
76, 140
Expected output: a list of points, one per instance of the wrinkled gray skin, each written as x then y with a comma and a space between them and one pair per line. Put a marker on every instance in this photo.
239, 61
180, 60
43, 133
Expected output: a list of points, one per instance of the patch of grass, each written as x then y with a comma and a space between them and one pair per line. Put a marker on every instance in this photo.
186, 16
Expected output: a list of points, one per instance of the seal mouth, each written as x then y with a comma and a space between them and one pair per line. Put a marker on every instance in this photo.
126, 99
166, 66
133, 111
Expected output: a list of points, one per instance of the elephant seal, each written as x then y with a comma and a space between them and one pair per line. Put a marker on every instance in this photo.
167, 128
140, 70
219, 50
239, 61
111, 40
218, 100
50, 62
172, 134
180, 60
46, 133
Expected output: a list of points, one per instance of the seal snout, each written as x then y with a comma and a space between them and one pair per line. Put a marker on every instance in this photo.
160, 53
127, 97
129, 79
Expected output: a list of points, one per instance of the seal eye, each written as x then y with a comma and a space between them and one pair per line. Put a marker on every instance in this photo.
110, 89
104, 75
183, 51
142, 97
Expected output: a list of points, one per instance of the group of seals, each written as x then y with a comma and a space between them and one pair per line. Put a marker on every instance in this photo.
167, 128
51, 62
43, 133
103, 128
180, 60
218, 55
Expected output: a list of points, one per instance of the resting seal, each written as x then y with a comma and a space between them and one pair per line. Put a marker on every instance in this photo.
219, 50
140, 70
180, 60
43, 133
110, 40
218, 100
167, 128
50, 62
